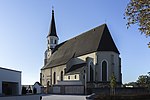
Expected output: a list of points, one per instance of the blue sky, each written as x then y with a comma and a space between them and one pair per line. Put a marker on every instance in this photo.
24, 25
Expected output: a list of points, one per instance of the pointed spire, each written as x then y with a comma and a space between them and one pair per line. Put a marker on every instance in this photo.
52, 31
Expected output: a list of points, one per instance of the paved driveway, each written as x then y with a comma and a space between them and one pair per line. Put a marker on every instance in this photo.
63, 97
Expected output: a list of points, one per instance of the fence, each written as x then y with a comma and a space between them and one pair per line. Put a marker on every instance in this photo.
67, 89
122, 91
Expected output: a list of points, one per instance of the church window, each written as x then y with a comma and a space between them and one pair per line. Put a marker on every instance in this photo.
75, 77
54, 78
48, 41
83, 76
91, 73
61, 76
51, 40
47, 83
104, 71
68, 77
55, 41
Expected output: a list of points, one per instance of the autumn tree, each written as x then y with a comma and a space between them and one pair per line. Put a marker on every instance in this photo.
138, 12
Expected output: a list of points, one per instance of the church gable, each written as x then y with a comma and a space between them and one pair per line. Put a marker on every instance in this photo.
106, 43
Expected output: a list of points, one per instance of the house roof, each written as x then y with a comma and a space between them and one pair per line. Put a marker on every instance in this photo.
77, 68
38, 83
9, 69
97, 39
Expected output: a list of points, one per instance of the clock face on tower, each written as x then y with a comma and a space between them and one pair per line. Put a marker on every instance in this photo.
48, 55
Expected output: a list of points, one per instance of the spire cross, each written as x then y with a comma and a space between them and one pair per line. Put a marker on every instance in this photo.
52, 7
52, 10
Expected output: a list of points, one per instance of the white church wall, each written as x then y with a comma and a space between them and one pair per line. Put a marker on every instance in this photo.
92, 59
72, 77
113, 65
82, 59
45, 76
78, 60
96, 58
58, 70
116, 67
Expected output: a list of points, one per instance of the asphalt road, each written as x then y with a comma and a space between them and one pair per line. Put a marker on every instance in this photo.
64, 97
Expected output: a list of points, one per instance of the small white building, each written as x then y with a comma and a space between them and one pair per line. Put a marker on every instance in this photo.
37, 87
10, 82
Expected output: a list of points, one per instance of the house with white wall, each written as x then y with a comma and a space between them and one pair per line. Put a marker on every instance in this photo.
10, 82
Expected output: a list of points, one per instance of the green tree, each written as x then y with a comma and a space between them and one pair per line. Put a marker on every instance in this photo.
149, 81
143, 81
138, 12
113, 83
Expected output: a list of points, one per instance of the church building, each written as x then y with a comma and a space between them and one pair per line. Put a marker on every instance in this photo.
88, 59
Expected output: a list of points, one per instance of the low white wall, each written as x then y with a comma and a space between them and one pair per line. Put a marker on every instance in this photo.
28, 97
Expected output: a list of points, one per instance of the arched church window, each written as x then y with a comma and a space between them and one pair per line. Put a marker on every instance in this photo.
61, 76
68, 77
104, 71
54, 78
75, 77
91, 73
47, 83
55, 41
51, 40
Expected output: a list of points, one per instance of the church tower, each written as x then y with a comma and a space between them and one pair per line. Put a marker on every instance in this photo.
52, 39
